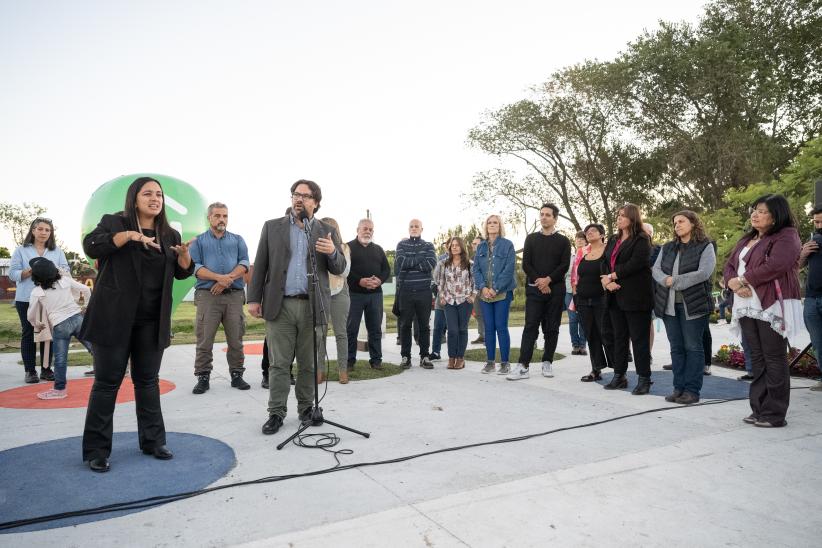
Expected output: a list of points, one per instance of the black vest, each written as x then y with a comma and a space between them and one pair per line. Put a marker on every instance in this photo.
697, 298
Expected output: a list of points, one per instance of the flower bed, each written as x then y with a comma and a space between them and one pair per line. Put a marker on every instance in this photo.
732, 355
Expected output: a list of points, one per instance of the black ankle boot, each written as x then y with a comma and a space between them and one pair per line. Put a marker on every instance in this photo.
643, 386
202, 384
619, 381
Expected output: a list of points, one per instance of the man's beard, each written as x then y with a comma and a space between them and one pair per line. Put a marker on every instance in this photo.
220, 227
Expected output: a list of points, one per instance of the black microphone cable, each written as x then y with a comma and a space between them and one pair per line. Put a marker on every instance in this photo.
163, 499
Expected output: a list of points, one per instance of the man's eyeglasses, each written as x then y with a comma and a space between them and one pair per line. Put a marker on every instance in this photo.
298, 195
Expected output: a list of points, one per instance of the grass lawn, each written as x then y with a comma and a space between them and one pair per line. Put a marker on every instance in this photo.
182, 325
363, 371
478, 355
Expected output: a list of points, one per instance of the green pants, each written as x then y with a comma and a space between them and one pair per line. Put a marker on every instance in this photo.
289, 335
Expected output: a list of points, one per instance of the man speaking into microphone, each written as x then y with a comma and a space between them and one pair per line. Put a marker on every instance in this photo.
280, 291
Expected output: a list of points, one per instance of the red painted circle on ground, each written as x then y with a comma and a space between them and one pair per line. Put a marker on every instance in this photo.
25, 397
255, 349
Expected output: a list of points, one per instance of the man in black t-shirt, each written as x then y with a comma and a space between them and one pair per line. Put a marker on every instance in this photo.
811, 256
545, 260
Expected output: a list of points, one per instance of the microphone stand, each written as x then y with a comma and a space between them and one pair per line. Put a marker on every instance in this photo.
317, 418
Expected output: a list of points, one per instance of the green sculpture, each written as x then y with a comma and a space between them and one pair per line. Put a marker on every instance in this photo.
185, 209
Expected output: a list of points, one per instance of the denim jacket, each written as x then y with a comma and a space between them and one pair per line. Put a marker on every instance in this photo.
504, 260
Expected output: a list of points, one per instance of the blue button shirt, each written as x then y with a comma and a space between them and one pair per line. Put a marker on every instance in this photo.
20, 262
220, 256
296, 278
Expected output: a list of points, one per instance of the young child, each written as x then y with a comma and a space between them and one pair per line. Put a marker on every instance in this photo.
56, 295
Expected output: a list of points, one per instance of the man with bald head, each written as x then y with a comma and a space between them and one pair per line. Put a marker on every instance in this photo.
414, 262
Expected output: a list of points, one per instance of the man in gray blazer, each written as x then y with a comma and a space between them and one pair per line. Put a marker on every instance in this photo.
281, 292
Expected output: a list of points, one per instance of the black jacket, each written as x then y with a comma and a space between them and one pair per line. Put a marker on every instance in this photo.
633, 272
113, 304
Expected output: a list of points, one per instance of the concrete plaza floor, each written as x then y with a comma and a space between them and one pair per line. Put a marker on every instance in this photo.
694, 476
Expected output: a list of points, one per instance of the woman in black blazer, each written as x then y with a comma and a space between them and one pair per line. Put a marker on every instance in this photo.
129, 316
627, 279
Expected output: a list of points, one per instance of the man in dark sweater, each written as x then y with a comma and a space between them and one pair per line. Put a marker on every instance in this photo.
369, 270
545, 260
413, 265
811, 256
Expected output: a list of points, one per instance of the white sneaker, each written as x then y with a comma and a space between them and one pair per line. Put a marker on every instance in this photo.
519, 372
547, 371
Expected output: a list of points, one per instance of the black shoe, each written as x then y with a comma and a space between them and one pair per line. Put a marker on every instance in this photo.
745, 377
264, 382
100, 464
617, 382
159, 452
405, 363
643, 386
46, 373
202, 384
668, 366
582, 351
350, 365
238, 382
591, 377
272, 425
399, 342
426, 363
31, 377
434, 356
671, 398
478, 340
306, 414
374, 365
687, 398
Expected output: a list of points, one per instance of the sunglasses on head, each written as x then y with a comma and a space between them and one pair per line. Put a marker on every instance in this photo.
41, 220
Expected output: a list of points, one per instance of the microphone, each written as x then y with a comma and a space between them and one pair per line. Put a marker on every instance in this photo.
303, 216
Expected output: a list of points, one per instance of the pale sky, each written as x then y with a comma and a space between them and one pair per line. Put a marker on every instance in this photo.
373, 100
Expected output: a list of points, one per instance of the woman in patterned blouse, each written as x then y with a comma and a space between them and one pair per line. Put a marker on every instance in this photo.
456, 294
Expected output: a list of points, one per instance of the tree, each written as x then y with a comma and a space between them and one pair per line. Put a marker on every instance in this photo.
467, 236
5, 253
576, 147
730, 100
18, 218
728, 223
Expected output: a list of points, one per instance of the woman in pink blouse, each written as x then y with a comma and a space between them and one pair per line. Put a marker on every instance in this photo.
456, 294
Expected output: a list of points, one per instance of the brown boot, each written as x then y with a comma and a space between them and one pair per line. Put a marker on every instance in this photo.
343, 376
451, 362
460, 363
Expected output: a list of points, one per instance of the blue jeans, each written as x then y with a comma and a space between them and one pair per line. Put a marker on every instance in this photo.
439, 331
574, 325
60, 337
687, 349
456, 317
812, 312
496, 327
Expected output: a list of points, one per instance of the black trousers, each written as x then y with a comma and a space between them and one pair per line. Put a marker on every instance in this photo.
634, 327
593, 317
415, 305
541, 311
110, 364
770, 392
707, 344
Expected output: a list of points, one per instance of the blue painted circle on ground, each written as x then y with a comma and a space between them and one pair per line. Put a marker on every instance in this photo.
713, 387
49, 477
